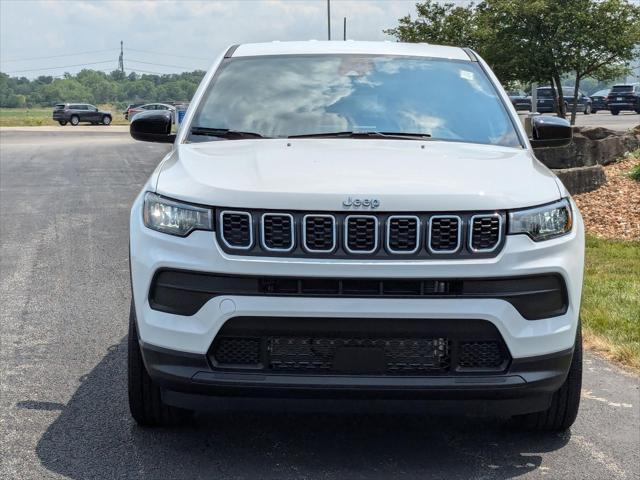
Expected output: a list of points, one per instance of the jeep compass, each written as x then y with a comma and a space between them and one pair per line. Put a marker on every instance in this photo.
355, 220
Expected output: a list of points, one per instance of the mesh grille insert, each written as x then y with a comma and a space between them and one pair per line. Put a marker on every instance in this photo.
319, 354
237, 229
238, 351
319, 233
277, 231
403, 234
361, 234
485, 232
481, 355
444, 234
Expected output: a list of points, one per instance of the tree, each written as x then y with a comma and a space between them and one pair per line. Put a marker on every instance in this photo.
444, 24
604, 42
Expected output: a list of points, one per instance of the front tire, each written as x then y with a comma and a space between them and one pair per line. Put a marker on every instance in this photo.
565, 402
62, 122
145, 400
74, 120
615, 112
106, 120
587, 109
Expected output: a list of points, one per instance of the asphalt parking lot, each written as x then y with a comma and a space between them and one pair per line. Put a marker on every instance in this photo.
621, 122
65, 198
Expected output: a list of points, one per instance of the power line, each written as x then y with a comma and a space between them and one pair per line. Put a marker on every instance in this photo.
167, 54
56, 56
56, 68
157, 64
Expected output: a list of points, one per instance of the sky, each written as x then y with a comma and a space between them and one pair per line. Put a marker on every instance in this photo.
170, 36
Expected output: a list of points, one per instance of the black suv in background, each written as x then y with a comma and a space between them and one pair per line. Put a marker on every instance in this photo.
624, 97
599, 100
74, 113
548, 103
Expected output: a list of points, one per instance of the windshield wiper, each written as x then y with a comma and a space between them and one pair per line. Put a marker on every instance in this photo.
351, 134
224, 133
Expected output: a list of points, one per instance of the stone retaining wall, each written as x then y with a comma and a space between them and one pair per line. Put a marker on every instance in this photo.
579, 165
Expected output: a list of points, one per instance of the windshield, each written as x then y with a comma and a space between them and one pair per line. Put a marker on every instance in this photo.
622, 88
283, 96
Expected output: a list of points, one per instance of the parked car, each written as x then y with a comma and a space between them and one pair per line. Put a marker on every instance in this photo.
74, 113
624, 97
129, 107
150, 106
599, 101
520, 100
548, 102
298, 242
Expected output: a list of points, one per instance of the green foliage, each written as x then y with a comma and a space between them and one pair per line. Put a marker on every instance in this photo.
635, 173
96, 87
443, 24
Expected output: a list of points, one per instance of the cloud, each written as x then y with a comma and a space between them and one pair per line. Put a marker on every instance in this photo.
32, 28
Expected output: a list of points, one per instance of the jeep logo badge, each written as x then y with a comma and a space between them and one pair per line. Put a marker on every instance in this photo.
361, 203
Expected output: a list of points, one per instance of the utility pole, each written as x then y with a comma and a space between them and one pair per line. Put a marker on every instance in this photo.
328, 19
121, 59
344, 29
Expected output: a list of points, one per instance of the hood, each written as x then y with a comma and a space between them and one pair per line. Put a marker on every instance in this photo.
320, 174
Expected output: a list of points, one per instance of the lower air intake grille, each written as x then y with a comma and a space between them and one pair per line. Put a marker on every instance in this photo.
237, 351
358, 346
358, 355
485, 232
481, 355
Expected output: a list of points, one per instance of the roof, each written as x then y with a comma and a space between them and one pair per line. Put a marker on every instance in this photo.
311, 47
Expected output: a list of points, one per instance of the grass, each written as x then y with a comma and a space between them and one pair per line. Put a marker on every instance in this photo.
611, 300
31, 117
635, 171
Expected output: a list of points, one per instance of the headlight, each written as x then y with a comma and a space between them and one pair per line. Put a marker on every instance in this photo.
542, 223
175, 218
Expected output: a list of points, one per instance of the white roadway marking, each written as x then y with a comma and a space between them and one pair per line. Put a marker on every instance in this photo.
599, 456
588, 394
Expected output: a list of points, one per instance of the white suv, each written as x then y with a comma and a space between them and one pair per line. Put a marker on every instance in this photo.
355, 219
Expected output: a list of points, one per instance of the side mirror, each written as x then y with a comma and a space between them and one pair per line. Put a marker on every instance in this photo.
550, 132
152, 126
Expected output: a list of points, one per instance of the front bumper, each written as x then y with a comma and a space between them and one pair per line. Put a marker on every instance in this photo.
187, 381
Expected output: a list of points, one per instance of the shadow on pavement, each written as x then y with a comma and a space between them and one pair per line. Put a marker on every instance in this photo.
94, 437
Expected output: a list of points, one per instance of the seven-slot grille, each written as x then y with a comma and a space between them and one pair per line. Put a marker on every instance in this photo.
319, 233
361, 233
403, 234
444, 233
342, 235
277, 232
485, 232
237, 229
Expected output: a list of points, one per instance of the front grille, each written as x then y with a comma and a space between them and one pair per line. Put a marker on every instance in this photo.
403, 234
485, 232
277, 232
237, 229
481, 355
329, 346
444, 234
361, 234
373, 235
319, 233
